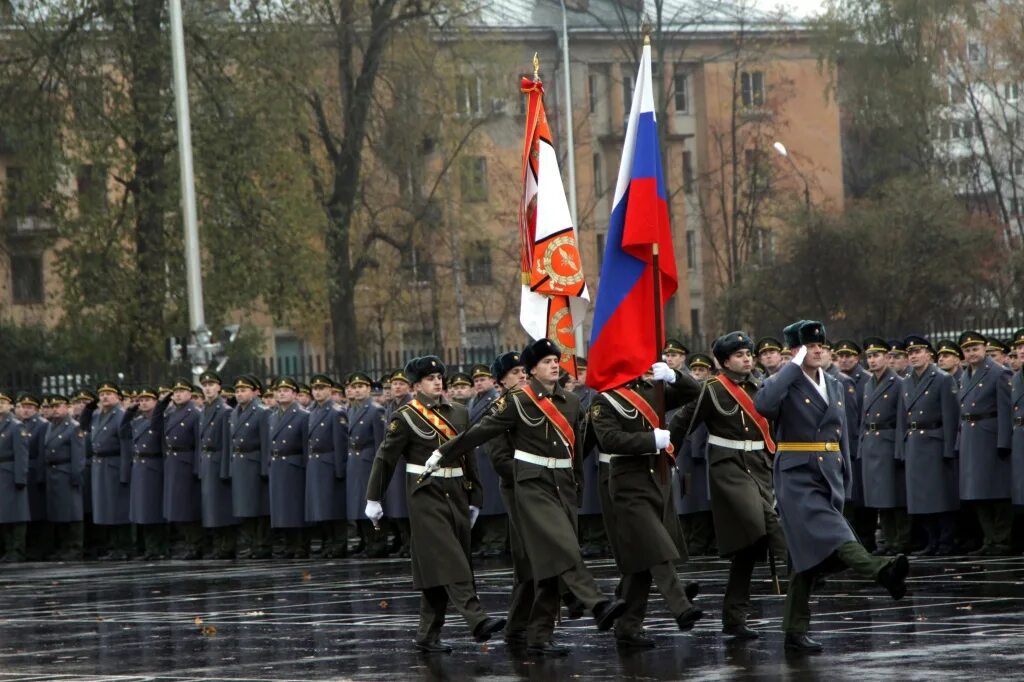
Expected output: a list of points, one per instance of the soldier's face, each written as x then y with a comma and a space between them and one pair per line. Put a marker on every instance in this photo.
462, 392
211, 390
244, 395
514, 377
877, 362
76, 408
1014, 360
60, 411
285, 396
399, 389
675, 360
47, 411
770, 359
948, 361
108, 399
482, 384
304, 399
847, 361
337, 395
360, 391
28, 411
5, 407
146, 404
818, 357
700, 372
547, 369
919, 358
431, 385
321, 393
581, 375
975, 353
740, 362
181, 396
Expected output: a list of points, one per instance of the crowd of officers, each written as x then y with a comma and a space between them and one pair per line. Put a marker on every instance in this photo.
519, 459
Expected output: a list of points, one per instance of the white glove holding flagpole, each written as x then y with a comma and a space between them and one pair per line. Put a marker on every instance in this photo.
801, 353
662, 372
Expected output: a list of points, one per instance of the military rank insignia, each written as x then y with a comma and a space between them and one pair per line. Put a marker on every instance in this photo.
595, 410
393, 426
26, 434
500, 404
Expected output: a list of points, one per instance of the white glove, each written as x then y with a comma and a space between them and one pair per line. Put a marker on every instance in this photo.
434, 461
374, 511
474, 512
662, 437
801, 353
662, 372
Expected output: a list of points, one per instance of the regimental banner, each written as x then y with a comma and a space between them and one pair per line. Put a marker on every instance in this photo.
554, 290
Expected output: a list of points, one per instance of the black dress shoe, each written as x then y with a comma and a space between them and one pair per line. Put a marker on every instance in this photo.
691, 590
485, 628
607, 611
548, 649
635, 641
799, 641
893, 576
433, 648
998, 550
687, 618
575, 607
740, 631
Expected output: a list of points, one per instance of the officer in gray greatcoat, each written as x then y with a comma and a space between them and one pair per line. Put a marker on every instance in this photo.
693, 501
83, 404
214, 481
986, 426
1017, 410
39, 533
884, 476
142, 430
492, 526
365, 433
183, 495
14, 477
812, 470
249, 442
326, 459
64, 458
289, 424
396, 508
111, 473
949, 356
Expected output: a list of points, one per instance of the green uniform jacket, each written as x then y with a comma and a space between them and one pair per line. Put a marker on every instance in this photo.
438, 507
741, 482
645, 516
545, 498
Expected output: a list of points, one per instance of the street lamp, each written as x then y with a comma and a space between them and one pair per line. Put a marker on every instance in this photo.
781, 149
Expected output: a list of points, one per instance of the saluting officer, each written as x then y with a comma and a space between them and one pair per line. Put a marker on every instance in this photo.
64, 457
286, 469
444, 504
248, 431
694, 499
214, 478
183, 495
326, 457
645, 525
142, 432
1017, 410
545, 425
986, 429
492, 526
14, 477
739, 458
111, 473
365, 433
884, 476
812, 469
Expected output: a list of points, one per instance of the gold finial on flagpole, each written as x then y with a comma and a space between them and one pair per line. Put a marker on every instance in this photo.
536, 67
645, 28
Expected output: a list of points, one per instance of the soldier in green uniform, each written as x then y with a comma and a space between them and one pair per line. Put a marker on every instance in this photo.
545, 425
739, 455
443, 505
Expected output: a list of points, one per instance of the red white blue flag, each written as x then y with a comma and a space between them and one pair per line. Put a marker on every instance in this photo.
624, 341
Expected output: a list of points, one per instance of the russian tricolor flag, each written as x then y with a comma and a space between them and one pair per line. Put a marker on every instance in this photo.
624, 341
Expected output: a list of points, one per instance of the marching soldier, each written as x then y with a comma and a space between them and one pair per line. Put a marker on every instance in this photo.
286, 469
927, 420
492, 526
739, 454
1017, 409
214, 478
694, 501
365, 433
886, 488
183, 495
396, 508
249, 441
444, 504
142, 432
326, 457
460, 388
949, 358
769, 354
111, 473
986, 426
64, 458
629, 434
14, 478
39, 532
812, 469
545, 426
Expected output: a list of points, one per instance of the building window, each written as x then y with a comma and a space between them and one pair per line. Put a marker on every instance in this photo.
598, 176
1014, 207
627, 89
681, 91
473, 178
90, 182
468, 95
973, 52
602, 240
478, 263
957, 94
1013, 129
695, 323
592, 92
27, 278
687, 172
1018, 166
691, 250
763, 246
415, 261
1011, 91
752, 88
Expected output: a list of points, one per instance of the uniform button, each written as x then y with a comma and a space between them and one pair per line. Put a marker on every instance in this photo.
820, 458
807, 400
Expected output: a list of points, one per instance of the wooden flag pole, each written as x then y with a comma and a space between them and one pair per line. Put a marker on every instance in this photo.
659, 343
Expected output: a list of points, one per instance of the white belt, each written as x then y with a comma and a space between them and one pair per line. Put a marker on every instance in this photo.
745, 445
549, 462
607, 457
444, 472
